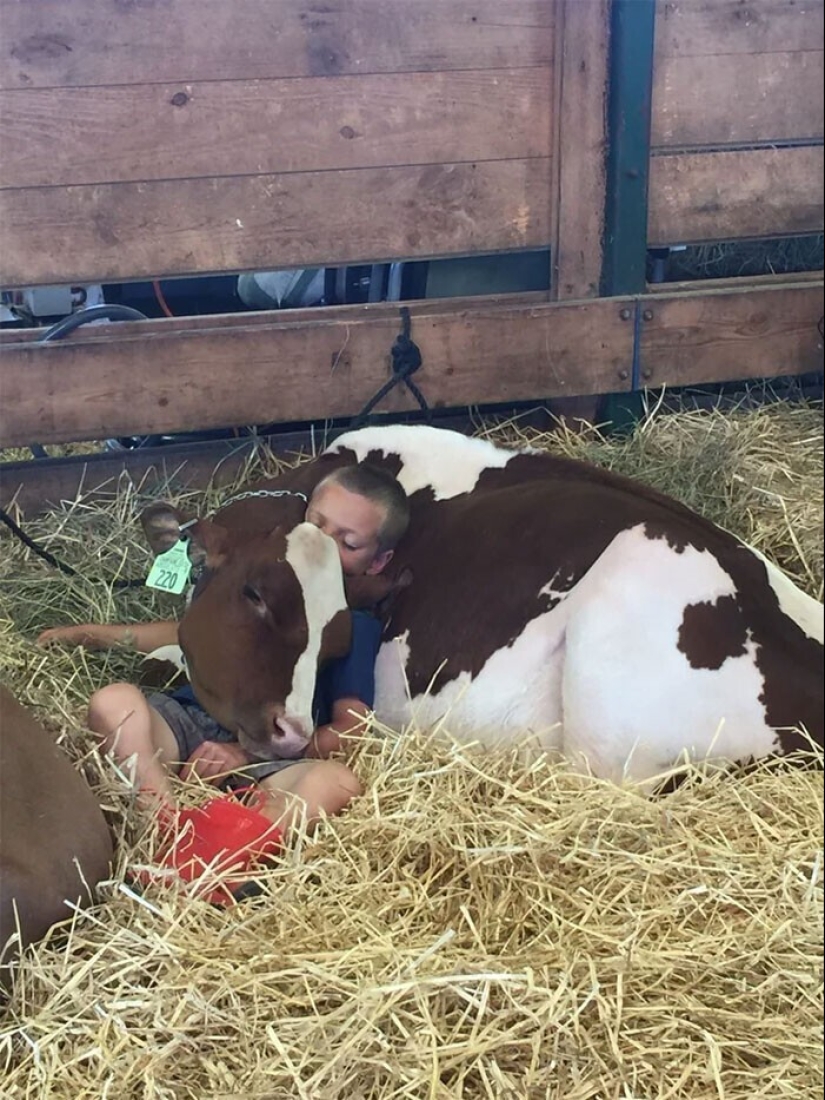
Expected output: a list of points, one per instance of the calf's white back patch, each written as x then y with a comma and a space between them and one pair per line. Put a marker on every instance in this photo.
633, 702
447, 462
516, 695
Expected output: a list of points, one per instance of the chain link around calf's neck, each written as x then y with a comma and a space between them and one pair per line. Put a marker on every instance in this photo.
263, 493
246, 496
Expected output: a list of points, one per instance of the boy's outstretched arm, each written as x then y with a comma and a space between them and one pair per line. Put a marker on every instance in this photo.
144, 637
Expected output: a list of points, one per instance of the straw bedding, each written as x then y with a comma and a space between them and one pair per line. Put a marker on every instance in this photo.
474, 926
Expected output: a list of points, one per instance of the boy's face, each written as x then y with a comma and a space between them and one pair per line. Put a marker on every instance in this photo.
354, 523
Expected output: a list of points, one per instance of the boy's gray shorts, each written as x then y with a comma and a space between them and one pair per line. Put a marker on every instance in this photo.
191, 726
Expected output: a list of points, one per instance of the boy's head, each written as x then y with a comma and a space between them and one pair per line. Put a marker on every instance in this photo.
365, 510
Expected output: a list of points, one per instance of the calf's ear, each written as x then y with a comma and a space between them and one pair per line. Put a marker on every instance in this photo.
161, 526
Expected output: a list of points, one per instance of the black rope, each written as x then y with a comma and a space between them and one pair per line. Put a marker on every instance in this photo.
406, 359
112, 312
32, 545
47, 556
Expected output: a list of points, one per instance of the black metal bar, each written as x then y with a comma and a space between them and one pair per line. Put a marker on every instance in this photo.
628, 161
628, 166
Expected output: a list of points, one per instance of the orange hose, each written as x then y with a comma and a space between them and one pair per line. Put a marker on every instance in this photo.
164, 305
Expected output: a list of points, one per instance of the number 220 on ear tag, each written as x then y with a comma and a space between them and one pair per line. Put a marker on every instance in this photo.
170, 570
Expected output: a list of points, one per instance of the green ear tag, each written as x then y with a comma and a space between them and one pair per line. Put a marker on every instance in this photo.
171, 569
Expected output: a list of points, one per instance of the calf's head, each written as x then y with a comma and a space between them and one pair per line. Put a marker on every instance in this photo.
268, 610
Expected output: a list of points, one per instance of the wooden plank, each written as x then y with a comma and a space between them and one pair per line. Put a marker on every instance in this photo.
32, 486
687, 28
583, 42
211, 322
730, 335
128, 231
55, 44
743, 99
577, 207
292, 370
735, 282
700, 337
724, 195
233, 128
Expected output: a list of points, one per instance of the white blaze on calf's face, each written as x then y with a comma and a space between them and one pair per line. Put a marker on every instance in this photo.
315, 561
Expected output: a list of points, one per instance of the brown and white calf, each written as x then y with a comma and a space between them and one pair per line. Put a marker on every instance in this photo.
55, 846
548, 598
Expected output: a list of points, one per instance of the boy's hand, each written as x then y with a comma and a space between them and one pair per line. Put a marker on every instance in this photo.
88, 635
213, 760
349, 716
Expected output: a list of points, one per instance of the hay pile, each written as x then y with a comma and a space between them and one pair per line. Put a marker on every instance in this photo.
472, 927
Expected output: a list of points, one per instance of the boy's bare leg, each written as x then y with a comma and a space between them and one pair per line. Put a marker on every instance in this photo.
309, 787
137, 736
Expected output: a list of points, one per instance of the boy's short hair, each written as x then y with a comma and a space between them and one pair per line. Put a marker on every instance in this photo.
382, 489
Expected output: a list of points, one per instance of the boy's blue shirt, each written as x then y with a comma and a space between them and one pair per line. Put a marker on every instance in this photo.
353, 676
350, 677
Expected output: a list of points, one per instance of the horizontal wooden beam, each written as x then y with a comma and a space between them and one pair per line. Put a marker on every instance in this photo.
735, 282
720, 196
715, 335
709, 28
32, 486
161, 377
743, 99
127, 231
164, 378
255, 127
730, 335
54, 44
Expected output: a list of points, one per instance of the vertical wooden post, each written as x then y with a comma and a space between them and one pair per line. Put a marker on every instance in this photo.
582, 35
582, 50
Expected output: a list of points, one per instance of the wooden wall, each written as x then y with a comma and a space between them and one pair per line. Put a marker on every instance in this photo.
147, 139
161, 138
737, 120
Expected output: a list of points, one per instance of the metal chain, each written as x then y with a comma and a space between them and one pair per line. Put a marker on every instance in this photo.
246, 496
263, 493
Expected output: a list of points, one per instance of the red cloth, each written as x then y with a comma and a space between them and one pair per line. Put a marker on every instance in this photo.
207, 841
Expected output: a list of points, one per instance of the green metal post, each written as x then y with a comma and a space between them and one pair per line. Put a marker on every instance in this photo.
628, 164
